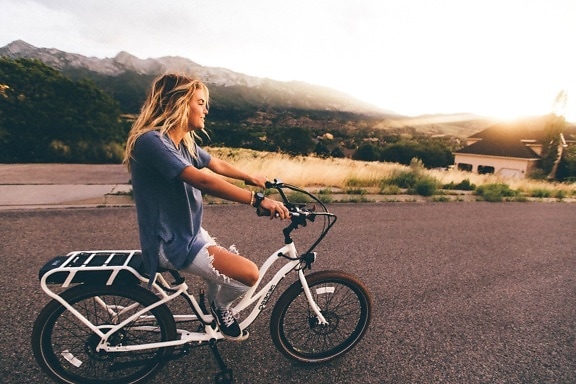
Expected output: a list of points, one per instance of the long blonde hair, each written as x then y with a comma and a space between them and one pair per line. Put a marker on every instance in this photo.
166, 107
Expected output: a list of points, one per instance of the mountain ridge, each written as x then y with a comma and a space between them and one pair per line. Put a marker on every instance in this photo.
240, 99
124, 62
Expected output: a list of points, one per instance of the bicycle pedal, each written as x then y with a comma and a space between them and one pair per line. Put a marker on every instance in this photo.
245, 335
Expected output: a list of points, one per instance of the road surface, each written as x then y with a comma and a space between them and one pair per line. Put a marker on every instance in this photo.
462, 292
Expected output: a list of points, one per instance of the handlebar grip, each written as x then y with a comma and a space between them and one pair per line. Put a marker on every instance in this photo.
267, 184
262, 212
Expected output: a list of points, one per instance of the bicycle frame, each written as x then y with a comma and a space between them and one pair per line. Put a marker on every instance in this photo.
317, 318
256, 296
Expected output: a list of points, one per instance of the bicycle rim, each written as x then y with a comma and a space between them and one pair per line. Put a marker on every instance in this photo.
343, 301
66, 349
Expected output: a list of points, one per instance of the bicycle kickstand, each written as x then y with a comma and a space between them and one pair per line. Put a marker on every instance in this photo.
225, 375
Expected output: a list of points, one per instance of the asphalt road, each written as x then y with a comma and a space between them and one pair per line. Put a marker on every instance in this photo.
462, 292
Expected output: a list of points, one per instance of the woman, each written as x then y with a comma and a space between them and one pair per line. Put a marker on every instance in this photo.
165, 162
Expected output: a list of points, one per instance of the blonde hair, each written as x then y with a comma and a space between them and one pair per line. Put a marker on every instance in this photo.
166, 107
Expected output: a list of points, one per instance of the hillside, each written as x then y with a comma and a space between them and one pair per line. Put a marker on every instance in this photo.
255, 91
242, 100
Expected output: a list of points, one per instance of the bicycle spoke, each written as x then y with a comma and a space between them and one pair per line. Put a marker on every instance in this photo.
344, 304
67, 348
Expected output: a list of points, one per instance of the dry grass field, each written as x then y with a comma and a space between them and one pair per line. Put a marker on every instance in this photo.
338, 174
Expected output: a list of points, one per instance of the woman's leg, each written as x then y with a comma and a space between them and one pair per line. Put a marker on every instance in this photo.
228, 275
233, 265
237, 272
215, 265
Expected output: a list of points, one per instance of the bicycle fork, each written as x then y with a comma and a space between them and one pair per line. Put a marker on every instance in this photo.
321, 319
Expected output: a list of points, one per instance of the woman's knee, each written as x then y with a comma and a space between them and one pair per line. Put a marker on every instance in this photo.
235, 266
252, 275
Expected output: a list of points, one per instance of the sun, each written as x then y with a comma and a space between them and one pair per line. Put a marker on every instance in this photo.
530, 105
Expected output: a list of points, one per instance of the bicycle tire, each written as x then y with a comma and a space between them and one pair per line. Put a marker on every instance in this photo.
64, 347
345, 303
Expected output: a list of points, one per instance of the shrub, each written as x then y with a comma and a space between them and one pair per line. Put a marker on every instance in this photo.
464, 185
495, 192
357, 183
298, 197
356, 191
540, 192
415, 181
389, 190
326, 198
417, 165
402, 179
560, 194
425, 186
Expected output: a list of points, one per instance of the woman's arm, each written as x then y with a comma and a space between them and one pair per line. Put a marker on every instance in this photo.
226, 169
219, 187
215, 185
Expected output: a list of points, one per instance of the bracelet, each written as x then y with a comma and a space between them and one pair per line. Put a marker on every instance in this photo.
252, 199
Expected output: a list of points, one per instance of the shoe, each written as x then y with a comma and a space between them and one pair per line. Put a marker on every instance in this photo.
227, 324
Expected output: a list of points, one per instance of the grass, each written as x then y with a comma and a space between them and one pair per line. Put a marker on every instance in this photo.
360, 178
307, 171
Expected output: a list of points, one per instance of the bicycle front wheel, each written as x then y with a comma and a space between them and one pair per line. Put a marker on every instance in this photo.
344, 302
65, 348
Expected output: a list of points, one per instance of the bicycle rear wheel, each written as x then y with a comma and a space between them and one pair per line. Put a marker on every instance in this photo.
65, 348
345, 303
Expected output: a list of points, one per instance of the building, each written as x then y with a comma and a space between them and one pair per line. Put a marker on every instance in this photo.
508, 150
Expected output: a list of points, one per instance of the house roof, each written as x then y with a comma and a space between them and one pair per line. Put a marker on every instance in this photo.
502, 148
532, 129
510, 139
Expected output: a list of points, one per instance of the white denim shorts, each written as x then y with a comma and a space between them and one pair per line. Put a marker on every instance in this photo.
219, 284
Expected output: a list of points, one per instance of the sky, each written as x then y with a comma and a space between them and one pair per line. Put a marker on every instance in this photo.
497, 58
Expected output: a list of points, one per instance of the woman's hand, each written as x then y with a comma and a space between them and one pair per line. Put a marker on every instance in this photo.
276, 208
259, 181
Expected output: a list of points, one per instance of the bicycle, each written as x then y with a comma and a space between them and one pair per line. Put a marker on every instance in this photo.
104, 326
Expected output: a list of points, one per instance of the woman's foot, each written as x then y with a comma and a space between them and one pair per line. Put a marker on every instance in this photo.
227, 323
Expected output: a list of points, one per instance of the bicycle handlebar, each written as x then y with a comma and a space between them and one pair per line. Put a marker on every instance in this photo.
299, 212
295, 209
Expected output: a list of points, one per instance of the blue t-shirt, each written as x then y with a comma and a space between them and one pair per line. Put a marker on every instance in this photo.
169, 210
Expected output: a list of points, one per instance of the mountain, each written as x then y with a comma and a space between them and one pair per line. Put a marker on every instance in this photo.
262, 92
241, 100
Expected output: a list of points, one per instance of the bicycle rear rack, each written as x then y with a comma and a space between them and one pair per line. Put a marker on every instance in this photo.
96, 267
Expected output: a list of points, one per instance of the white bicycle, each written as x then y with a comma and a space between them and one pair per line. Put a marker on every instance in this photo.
106, 327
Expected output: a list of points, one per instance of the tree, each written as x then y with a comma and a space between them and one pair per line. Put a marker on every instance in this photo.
366, 152
431, 152
434, 154
401, 152
567, 166
552, 148
322, 149
337, 152
46, 117
293, 140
